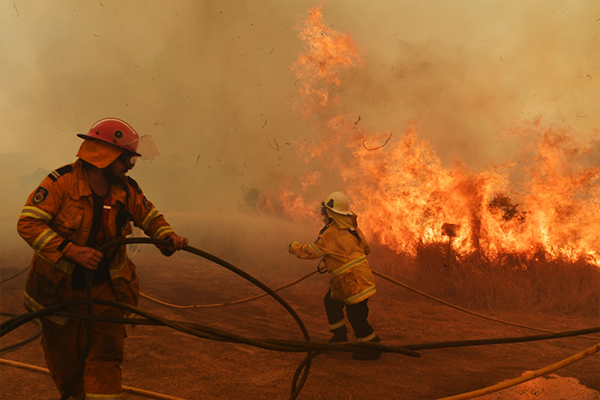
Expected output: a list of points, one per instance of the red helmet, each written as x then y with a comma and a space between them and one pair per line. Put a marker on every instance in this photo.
116, 132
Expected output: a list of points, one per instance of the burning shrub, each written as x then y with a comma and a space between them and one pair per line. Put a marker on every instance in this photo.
502, 205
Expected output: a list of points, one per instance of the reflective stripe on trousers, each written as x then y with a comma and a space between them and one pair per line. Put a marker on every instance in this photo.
357, 315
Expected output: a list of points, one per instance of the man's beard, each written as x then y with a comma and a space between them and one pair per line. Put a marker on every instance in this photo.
114, 179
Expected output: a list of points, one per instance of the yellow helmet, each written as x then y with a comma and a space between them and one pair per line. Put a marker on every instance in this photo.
338, 203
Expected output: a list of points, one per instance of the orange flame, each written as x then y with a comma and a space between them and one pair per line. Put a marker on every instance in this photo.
328, 52
404, 196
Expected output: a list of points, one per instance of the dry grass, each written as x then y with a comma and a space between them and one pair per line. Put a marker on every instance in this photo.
259, 245
475, 281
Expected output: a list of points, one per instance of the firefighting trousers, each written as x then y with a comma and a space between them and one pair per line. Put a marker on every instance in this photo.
357, 315
63, 345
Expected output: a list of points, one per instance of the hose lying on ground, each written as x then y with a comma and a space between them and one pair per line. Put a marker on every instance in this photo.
313, 349
277, 344
476, 314
129, 389
527, 377
14, 276
387, 278
228, 303
287, 345
36, 335
205, 332
202, 331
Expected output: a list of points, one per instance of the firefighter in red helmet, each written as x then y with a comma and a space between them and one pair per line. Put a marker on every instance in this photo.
344, 249
77, 208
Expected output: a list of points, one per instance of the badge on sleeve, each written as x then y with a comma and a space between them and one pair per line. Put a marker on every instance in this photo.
40, 195
147, 203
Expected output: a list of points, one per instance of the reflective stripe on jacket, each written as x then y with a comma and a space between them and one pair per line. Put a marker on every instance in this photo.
345, 257
59, 213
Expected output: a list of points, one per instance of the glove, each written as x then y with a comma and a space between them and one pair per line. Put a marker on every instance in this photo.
176, 243
290, 247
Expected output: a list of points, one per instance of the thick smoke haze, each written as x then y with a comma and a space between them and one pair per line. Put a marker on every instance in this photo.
211, 81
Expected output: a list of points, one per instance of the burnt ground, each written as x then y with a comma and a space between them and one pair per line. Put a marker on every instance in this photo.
172, 363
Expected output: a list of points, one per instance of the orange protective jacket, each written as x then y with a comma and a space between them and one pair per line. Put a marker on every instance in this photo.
345, 256
59, 213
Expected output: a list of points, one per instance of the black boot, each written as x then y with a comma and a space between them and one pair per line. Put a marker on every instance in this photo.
339, 335
371, 355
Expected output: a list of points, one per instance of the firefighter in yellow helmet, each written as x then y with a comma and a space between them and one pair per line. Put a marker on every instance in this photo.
344, 250
77, 208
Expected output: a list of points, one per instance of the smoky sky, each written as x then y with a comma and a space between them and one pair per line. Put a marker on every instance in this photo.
212, 82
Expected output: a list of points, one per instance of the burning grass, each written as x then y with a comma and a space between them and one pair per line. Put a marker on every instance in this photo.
541, 253
540, 283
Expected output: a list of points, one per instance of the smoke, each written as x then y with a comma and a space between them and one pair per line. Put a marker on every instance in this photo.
211, 82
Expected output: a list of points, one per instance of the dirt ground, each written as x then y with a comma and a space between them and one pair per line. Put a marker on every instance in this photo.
169, 362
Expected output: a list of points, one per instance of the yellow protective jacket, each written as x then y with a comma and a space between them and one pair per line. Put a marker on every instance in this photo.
344, 253
59, 213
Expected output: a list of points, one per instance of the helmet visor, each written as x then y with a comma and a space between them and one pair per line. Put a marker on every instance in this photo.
147, 148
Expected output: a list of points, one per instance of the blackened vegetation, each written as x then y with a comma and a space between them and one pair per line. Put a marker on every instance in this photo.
502, 204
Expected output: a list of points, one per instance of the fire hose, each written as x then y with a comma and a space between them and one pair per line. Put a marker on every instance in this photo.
463, 396
200, 330
527, 377
14, 276
476, 314
313, 349
465, 310
228, 303
133, 390
37, 334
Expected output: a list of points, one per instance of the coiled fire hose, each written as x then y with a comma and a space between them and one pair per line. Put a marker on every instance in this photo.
201, 330
312, 349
